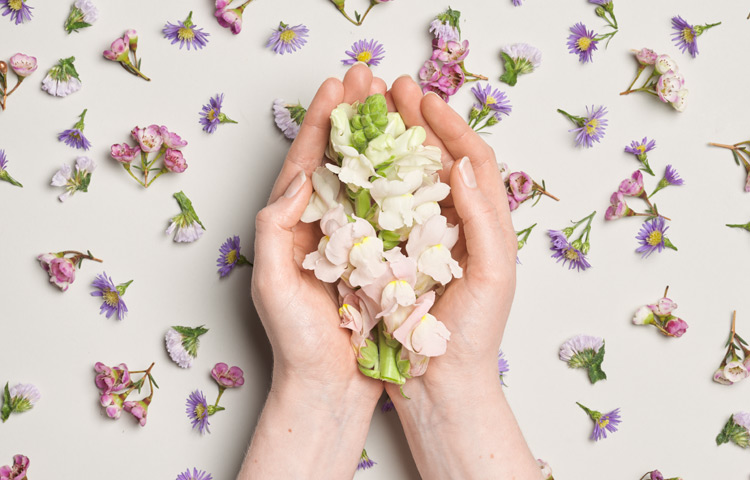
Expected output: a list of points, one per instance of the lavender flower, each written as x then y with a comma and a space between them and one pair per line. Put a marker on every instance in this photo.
652, 237
211, 115
503, 367
197, 411
517, 3
672, 177
230, 256
188, 225
585, 351
83, 13
74, 182
74, 137
387, 405
62, 79
370, 52
196, 475
603, 423
582, 42
566, 252
519, 58
182, 344
364, 461
4, 175
640, 149
18, 398
18, 10
186, 33
288, 117
286, 39
591, 127
112, 296
492, 100
444, 29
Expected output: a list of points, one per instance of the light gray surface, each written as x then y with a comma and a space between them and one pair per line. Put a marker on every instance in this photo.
671, 409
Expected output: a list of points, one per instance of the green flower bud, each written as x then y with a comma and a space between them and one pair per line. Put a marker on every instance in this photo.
359, 140
521, 243
568, 231
577, 244
585, 248
339, 4
371, 132
600, 11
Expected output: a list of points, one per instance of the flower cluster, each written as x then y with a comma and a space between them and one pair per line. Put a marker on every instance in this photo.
186, 33
520, 187
18, 10
187, 224
18, 398
62, 268
656, 475
62, 79
157, 140
384, 242
585, 351
74, 182
685, 35
288, 117
739, 151
230, 256
22, 66
589, 129
18, 471
115, 385
665, 80
73, 137
520, 59
736, 430
111, 294
4, 175
491, 105
574, 252
732, 369
182, 344
83, 13
121, 51
582, 41
286, 39
198, 410
659, 315
640, 150
358, 18
230, 18
211, 115
603, 422
369, 52
444, 73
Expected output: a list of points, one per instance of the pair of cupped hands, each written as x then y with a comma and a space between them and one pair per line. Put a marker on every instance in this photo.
300, 313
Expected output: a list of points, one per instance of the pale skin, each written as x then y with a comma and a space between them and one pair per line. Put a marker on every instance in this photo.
457, 420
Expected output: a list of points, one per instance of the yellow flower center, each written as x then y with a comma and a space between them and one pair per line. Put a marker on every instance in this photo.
365, 56
111, 298
571, 254
591, 126
641, 149
687, 35
185, 33
654, 238
231, 257
200, 411
15, 4
490, 100
211, 115
603, 422
583, 43
287, 36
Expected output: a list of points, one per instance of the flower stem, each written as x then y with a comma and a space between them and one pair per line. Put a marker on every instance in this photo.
127, 167
387, 358
641, 68
577, 120
221, 392
80, 256
20, 79
469, 74
161, 172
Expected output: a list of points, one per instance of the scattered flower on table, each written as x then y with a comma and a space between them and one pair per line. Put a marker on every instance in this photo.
288, 117
736, 430
671, 177
733, 369
198, 410
605, 9
445, 26
517, 3
23, 66
585, 351
18, 10
286, 39
657, 475
370, 52
226, 376
520, 59
739, 150
685, 36
188, 225
491, 105
196, 475
116, 384
230, 256
665, 81
520, 187
364, 461
574, 252
186, 33
4, 175
111, 295
640, 150
603, 422
659, 315
523, 237
19, 469
230, 18
62, 268
74, 182
582, 42
590, 128
358, 18
121, 51
503, 367
546, 469
74, 137
62, 79
83, 13
19, 398
182, 344
153, 141
211, 115
652, 237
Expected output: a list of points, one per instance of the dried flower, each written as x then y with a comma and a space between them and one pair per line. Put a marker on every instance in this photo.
198, 411
74, 182
590, 128
4, 175
196, 475
19, 398
660, 316
188, 225
686, 35
83, 13
111, 295
665, 81
520, 59
74, 137
186, 33
182, 344
230, 256
115, 386
585, 351
364, 461
652, 237
211, 115
286, 39
62, 79
288, 117
227, 377
582, 42
19, 13
603, 423
370, 52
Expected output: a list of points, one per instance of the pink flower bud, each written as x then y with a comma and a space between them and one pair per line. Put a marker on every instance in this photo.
174, 161
512, 203
131, 36
617, 208
676, 327
227, 377
23, 65
124, 153
231, 19
645, 56
521, 185
111, 379
62, 271
664, 307
138, 409
632, 186
112, 403
720, 378
118, 50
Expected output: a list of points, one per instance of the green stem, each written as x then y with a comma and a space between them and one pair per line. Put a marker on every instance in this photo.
641, 68
161, 172
221, 392
577, 120
387, 358
79, 124
127, 167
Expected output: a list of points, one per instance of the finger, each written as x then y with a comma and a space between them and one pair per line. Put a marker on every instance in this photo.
308, 148
378, 86
357, 83
389, 101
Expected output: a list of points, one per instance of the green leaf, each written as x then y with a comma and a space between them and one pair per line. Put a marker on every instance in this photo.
192, 332
736, 157
356, 15
6, 410
151, 377
75, 26
511, 75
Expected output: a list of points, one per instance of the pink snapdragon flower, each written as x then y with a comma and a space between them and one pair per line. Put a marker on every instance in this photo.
325, 268
421, 332
111, 379
174, 161
632, 186
124, 153
139, 409
23, 65
227, 377
430, 244
62, 271
149, 138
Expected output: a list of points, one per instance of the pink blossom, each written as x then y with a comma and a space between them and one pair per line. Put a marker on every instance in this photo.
171, 139
113, 404
17, 471
229, 18
512, 203
131, 36
747, 182
227, 377
436, 89
632, 186
138, 409
124, 153
617, 208
111, 379
23, 65
174, 161
720, 378
62, 271
429, 244
669, 86
430, 71
421, 332
449, 51
148, 138
118, 50
676, 327
452, 79
521, 185
417, 363
645, 56
663, 307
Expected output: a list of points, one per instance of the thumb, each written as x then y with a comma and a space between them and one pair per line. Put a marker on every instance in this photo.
274, 238
481, 223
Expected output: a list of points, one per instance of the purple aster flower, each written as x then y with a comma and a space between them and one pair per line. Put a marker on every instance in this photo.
517, 3
18, 10
685, 36
197, 411
652, 237
364, 461
196, 475
492, 100
590, 128
582, 42
503, 366
211, 115
566, 252
387, 405
4, 175
111, 294
600, 2
672, 177
603, 423
186, 33
74, 137
286, 39
370, 52
288, 117
230, 256
641, 148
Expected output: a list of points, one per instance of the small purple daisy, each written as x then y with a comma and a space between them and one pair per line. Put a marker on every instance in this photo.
503, 367
652, 237
370, 52
196, 475
211, 116
197, 411
641, 148
74, 137
111, 294
582, 42
603, 423
229, 256
492, 100
18, 10
600, 2
4, 175
684, 36
286, 39
590, 128
364, 461
566, 252
186, 33
672, 177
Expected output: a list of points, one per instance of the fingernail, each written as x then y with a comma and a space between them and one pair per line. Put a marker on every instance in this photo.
433, 93
296, 184
406, 75
467, 172
360, 62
